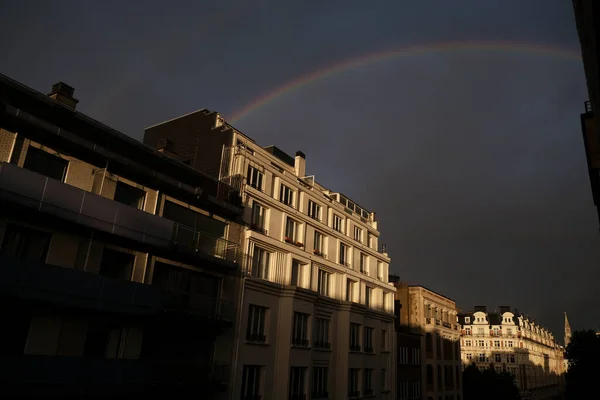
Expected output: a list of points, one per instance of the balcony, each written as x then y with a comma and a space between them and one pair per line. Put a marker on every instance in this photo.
322, 345
40, 193
446, 325
259, 229
103, 375
85, 290
354, 347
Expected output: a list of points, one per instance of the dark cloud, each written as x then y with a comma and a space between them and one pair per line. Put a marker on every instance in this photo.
473, 161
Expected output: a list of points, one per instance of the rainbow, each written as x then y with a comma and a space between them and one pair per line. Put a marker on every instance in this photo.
380, 56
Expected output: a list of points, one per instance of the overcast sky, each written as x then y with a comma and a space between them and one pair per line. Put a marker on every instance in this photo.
472, 159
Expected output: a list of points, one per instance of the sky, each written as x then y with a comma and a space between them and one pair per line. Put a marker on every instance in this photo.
465, 139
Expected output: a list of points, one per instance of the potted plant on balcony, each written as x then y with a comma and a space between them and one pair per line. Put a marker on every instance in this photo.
299, 244
289, 240
317, 252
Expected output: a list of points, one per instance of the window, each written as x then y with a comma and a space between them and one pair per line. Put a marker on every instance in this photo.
468, 343
402, 355
130, 195
481, 343
350, 290
363, 263
469, 356
260, 263
45, 164
403, 390
353, 382
380, 271
300, 330
318, 243
368, 340
314, 210
257, 221
323, 283
291, 228
25, 244
358, 234
297, 383
384, 381
467, 320
468, 331
512, 359
481, 357
509, 343
322, 334
496, 332
255, 178
344, 255
416, 389
496, 343
429, 374
338, 223
368, 293
319, 383
251, 382
497, 358
256, 324
354, 337
295, 279
416, 356
286, 195
384, 339
116, 264
368, 382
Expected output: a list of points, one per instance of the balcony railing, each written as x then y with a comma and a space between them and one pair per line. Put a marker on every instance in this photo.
446, 324
354, 394
354, 347
368, 392
256, 337
322, 345
320, 395
300, 342
40, 193
258, 228
369, 349
73, 288
80, 371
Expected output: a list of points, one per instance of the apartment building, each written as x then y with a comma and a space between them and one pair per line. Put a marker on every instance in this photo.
509, 341
409, 359
587, 17
317, 314
434, 316
119, 265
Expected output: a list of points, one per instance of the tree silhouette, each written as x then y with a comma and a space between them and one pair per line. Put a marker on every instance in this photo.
488, 384
583, 353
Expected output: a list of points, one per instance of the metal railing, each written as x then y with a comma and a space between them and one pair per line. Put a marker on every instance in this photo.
195, 240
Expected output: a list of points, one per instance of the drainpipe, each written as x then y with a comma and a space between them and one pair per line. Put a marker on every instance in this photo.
237, 336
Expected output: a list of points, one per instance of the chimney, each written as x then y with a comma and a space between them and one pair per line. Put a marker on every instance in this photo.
300, 164
63, 93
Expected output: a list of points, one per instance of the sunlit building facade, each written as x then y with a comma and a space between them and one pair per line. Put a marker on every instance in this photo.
317, 312
508, 341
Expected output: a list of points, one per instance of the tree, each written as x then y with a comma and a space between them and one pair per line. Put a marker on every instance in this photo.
583, 353
488, 384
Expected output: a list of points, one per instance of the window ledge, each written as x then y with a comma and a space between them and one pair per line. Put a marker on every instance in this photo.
255, 343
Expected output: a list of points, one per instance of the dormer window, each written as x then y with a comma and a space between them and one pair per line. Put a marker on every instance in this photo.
467, 320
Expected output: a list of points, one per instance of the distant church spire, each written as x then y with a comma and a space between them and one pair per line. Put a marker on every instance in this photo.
567, 331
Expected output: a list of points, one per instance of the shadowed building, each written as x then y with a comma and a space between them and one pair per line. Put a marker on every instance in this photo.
409, 360
587, 18
317, 309
119, 266
508, 341
430, 317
